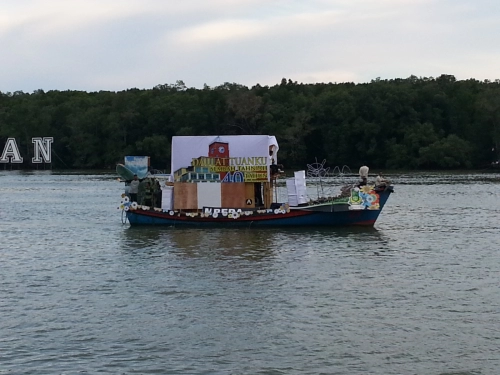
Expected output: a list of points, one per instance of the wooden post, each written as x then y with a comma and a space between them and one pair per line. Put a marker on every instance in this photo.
268, 194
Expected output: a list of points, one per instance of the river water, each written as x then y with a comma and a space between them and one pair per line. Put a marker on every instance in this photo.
82, 293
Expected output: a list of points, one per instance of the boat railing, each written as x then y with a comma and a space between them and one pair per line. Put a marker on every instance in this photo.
319, 188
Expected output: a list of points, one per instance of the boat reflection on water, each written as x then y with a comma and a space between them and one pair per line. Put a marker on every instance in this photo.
195, 242
251, 244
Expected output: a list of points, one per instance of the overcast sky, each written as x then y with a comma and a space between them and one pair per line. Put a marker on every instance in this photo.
94, 45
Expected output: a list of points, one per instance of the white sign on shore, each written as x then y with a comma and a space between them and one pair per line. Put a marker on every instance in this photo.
42, 151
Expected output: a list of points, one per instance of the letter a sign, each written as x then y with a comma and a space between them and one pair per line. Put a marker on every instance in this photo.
11, 152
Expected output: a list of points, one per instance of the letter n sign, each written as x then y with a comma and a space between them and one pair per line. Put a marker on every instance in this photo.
42, 149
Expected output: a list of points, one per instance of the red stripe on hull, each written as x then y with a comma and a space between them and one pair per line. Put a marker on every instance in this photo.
261, 217
367, 223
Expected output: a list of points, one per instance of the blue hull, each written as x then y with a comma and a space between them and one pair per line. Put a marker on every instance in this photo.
324, 215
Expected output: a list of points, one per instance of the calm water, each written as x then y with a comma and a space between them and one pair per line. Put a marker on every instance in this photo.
82, 293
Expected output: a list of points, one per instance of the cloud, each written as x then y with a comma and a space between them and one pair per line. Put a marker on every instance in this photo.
112, 45
39, 20
224, 30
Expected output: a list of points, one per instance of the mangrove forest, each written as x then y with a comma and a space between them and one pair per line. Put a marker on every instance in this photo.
411, 123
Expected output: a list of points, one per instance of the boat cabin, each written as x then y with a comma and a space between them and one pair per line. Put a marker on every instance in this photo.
222, 172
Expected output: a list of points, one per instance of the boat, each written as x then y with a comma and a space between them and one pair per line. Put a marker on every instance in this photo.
233, 181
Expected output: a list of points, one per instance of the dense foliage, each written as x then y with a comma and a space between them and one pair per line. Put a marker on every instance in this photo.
401, 123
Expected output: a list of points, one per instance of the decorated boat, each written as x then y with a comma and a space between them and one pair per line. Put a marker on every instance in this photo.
235, 181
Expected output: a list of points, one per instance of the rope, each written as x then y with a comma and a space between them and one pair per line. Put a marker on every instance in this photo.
124, 221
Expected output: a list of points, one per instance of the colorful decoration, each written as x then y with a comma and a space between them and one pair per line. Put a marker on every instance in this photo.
137, 165
364, 198
230, 213
218, 165
126, 204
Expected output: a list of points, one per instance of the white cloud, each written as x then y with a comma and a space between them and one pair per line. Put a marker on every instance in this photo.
224, 30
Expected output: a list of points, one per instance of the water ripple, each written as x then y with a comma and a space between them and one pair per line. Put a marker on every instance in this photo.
82, 293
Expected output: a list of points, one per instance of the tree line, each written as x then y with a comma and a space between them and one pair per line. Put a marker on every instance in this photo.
411, 123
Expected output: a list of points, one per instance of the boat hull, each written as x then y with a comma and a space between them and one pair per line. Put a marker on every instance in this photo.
328, 215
